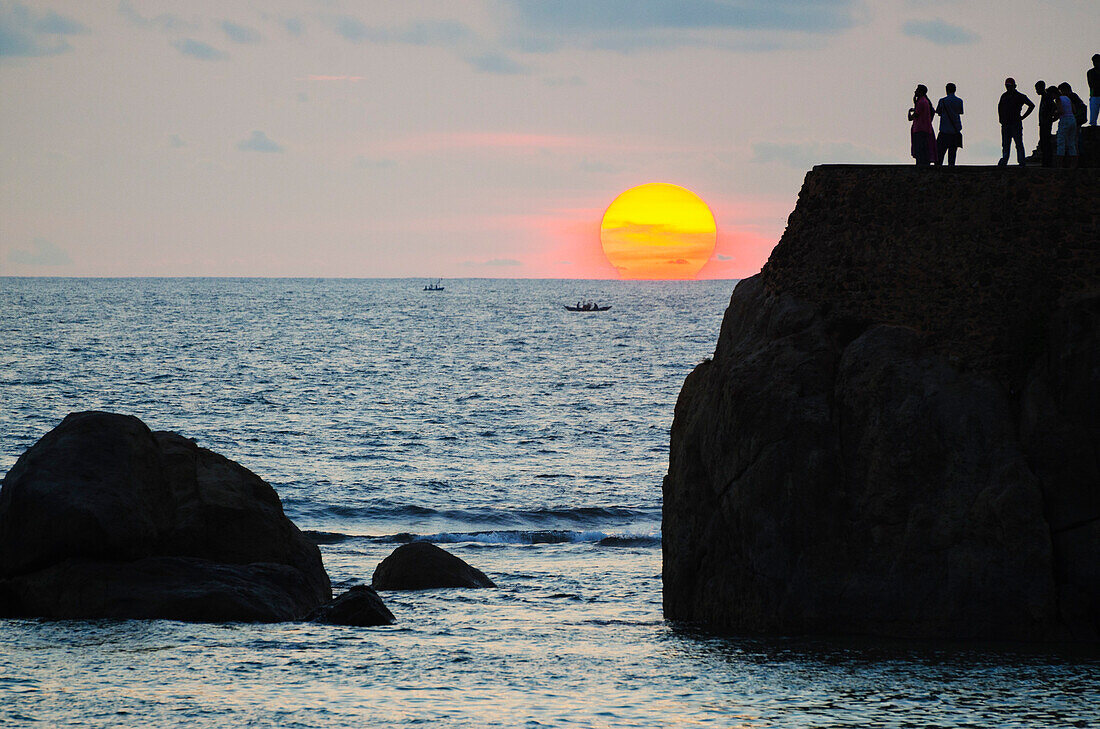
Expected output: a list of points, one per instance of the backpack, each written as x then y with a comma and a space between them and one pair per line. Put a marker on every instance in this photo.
1080, 112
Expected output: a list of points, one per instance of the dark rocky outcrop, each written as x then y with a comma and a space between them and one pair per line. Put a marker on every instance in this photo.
104, 518
899, 432
359, 606
422, 566
1089, 147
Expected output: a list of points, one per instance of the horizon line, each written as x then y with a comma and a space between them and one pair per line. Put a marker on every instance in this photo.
359, 278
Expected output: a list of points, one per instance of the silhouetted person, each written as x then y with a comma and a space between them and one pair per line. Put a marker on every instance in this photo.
1046, 119
1067, 127
923, 138
1012, 126
1080, 109
950, 109
1094, 89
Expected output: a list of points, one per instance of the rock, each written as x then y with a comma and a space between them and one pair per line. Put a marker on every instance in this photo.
104, 518
170, 588
899, 434
1089, 151
360, 606
422, 566
1060, 430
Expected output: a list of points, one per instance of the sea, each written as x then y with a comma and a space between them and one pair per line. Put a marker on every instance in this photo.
526, 439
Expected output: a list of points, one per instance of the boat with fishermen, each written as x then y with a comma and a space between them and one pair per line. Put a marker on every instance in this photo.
435, 285
587, 306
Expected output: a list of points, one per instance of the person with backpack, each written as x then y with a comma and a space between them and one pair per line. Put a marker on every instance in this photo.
1080, 111
950, 139
1067, 127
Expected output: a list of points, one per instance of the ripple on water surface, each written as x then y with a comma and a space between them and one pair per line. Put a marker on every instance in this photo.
529, 440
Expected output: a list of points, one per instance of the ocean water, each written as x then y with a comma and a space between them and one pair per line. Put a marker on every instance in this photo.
528, 440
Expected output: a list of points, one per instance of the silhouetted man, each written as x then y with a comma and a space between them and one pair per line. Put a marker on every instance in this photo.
1094, 89
1046, 119
1012, 126
950, 109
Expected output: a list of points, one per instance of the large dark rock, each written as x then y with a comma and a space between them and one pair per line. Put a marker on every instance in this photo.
422, 566
359, 606
1089, 147
104, 518
907, 444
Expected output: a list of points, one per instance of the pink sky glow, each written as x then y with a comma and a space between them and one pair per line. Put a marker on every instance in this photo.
468, 138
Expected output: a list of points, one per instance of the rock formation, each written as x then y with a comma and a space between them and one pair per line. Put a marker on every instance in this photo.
103, 518
899, 432
359, 606
422, 566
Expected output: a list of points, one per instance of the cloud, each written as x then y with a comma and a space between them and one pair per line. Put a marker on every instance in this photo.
259, 142
40, 253
803, 155
240, 33
293, 26
198, 49
939, 32
720, 257
627, 24
433, 33
26, 32
351, 29
176, 141
164, 21
496, 63
316, 77
446, 33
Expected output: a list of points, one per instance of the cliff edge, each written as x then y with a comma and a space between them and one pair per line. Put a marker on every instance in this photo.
899, 432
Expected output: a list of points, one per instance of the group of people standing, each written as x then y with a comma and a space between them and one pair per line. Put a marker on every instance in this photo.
1056, 104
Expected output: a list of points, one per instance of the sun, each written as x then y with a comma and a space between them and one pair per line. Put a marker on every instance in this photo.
658, 230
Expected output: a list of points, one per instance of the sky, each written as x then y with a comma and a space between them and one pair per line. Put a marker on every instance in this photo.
466, 138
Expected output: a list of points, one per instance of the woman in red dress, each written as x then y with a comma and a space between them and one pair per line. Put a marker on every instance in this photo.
923, 138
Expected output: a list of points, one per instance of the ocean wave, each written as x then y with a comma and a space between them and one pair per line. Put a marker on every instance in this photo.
506, 536
387, 511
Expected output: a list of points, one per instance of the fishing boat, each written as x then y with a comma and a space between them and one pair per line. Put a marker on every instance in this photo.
434, 285
587, 306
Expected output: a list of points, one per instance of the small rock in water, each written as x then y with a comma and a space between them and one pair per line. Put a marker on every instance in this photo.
359, 606
422, 566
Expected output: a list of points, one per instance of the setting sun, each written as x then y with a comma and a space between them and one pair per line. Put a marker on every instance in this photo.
658, 230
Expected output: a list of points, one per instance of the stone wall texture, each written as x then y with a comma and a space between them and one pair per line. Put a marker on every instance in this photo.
899, 432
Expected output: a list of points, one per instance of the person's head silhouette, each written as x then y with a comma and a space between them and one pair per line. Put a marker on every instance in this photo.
950, 88
1010, 83
1040, 87
1065, 88
1096, 60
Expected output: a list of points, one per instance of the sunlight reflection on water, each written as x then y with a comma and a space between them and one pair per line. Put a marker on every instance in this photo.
534, 438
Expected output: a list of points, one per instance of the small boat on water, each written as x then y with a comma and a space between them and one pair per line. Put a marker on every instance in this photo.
434, 285
587, 306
